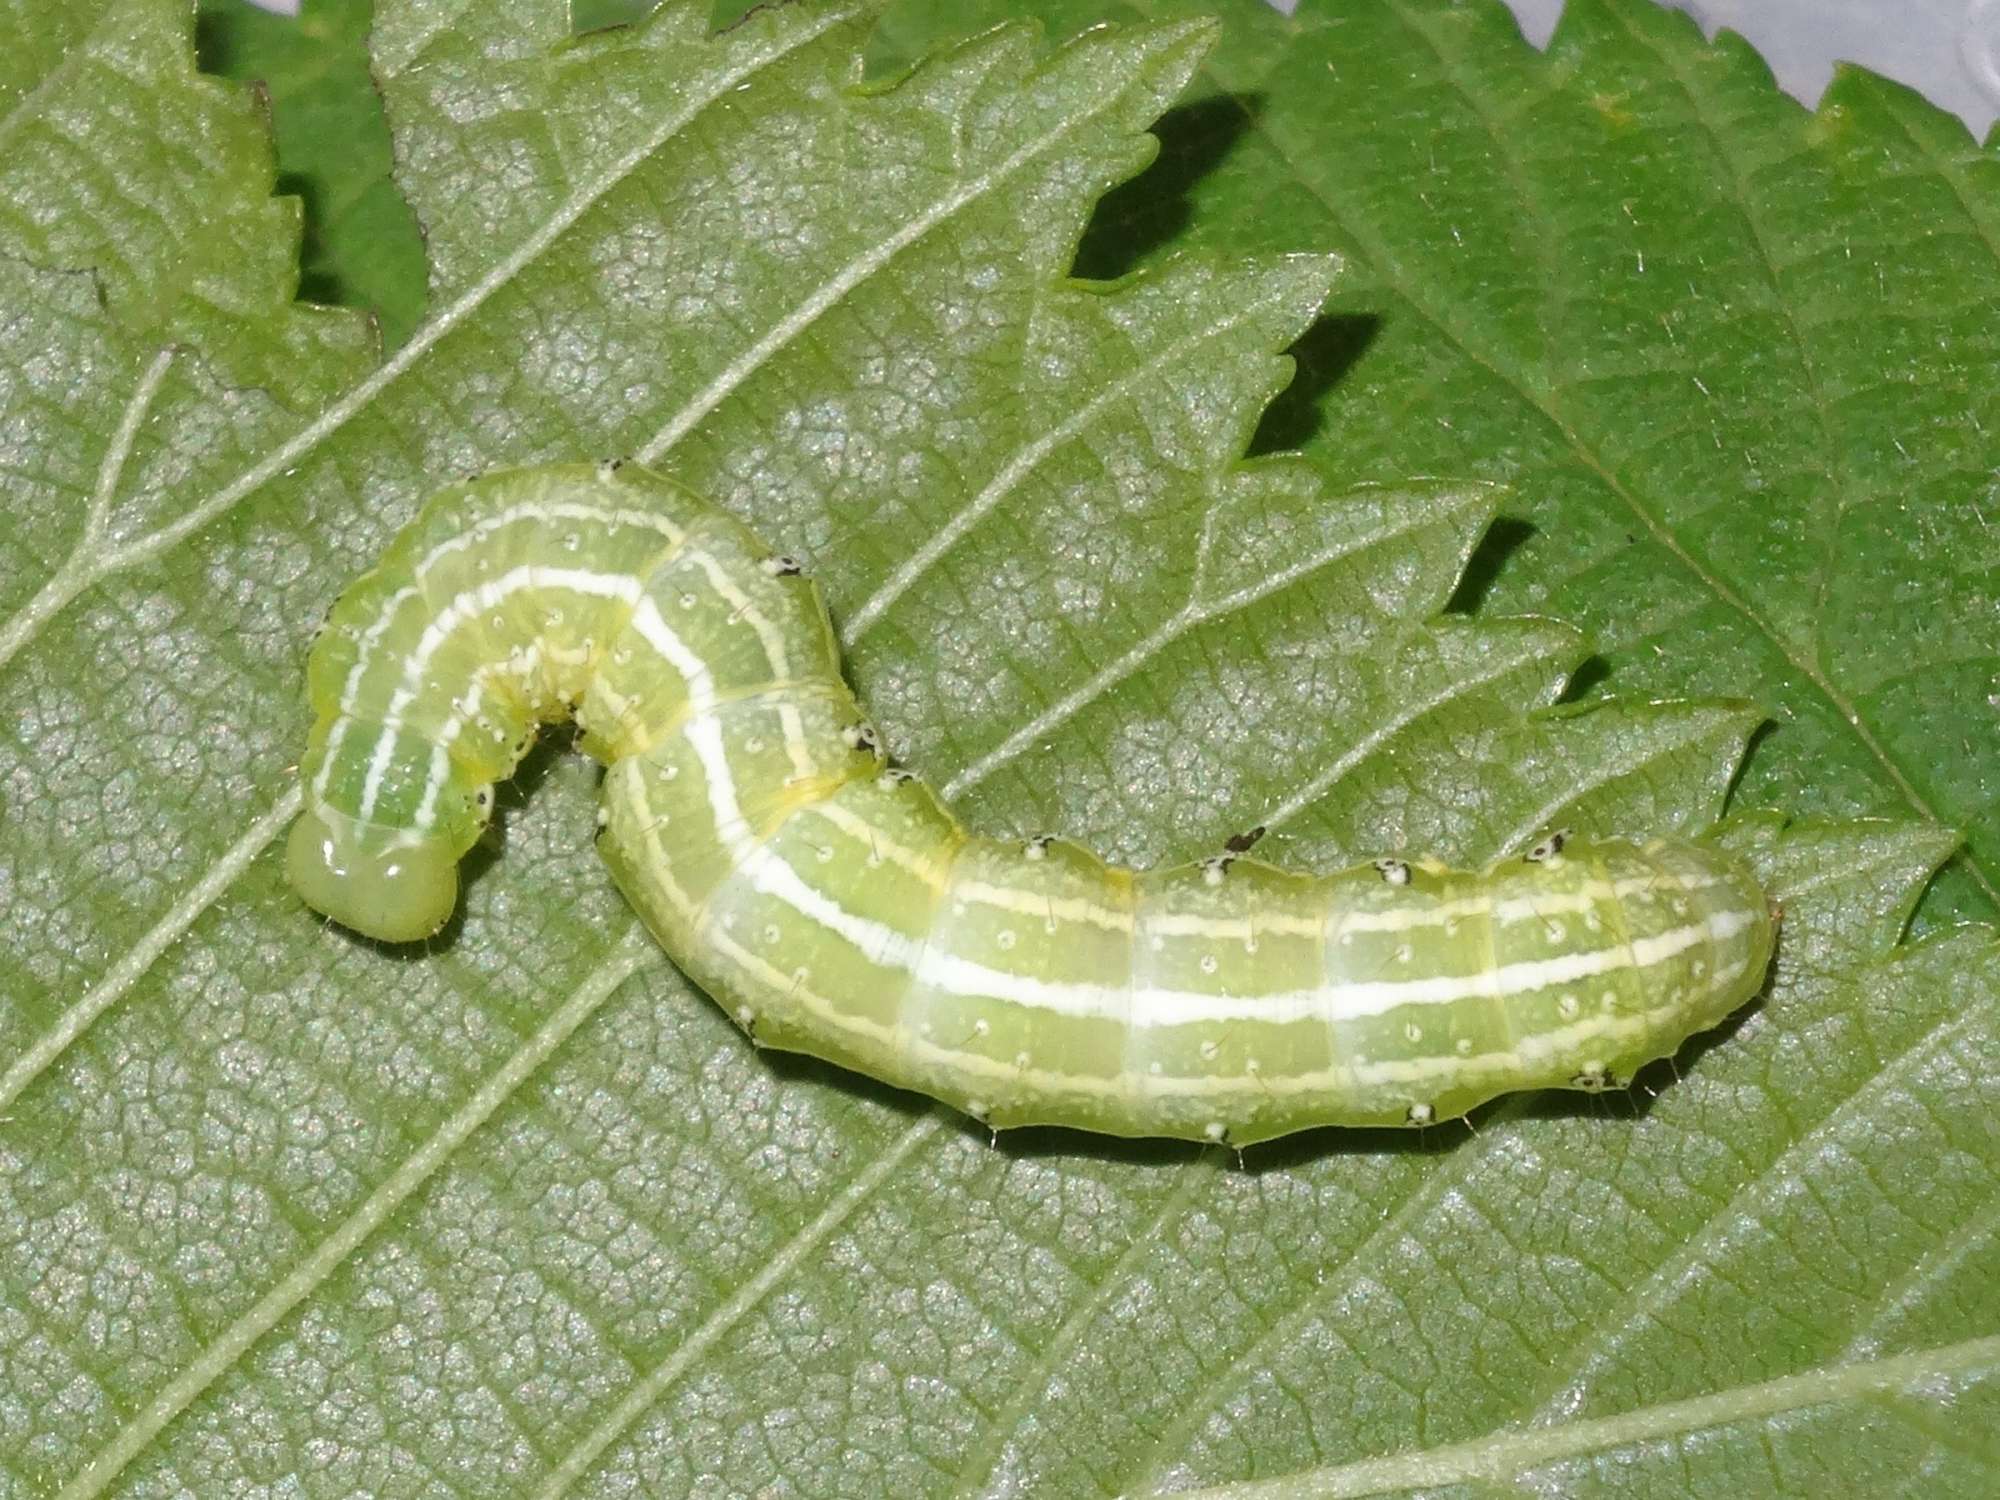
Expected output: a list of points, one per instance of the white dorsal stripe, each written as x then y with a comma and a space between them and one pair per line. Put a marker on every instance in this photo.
626, 588
1151, 1005
1154, 1006
543, 512
477, 531
703, 734
769, 636
925, 867
473, 602
1422, 1074
1579, 902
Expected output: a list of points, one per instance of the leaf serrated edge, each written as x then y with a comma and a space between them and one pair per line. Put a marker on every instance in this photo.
1393, 277
62, 589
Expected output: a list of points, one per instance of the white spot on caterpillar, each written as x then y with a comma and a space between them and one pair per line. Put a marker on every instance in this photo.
1395, 871
1569, 1007
1208, 963
1005, 937
1412, 1031
1421, 1114
1216, 1131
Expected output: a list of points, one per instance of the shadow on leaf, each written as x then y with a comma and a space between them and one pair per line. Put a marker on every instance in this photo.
1138, 217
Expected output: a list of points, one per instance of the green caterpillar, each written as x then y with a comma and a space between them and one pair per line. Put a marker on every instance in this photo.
831, 905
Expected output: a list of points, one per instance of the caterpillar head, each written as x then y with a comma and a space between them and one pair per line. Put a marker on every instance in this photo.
397, 892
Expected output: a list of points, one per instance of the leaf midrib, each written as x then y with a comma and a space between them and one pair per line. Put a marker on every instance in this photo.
1502, 1441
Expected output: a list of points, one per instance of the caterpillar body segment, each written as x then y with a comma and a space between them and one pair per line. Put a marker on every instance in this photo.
833, 906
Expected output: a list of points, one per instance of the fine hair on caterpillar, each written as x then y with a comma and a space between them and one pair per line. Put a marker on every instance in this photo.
831, 905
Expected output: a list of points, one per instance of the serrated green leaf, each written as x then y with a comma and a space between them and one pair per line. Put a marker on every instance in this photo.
1733, 357
523, 1216
362, 248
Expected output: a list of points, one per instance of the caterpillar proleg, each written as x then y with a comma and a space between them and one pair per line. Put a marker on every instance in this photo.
831, 905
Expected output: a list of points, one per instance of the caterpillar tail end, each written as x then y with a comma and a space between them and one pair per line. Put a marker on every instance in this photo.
398, 894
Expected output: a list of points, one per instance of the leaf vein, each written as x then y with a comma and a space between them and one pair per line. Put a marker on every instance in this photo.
1192, 615
979, 1466
1397, 280
1029, 458
789, 1256
174, 921
1499, 1457
51, 600
1756, 1192
858, 270
632, 952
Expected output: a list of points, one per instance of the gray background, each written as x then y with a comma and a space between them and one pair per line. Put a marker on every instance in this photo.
1948, 50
